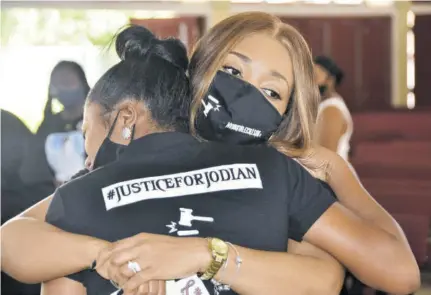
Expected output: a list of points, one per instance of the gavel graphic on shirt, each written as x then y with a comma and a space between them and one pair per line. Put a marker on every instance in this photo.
187, 217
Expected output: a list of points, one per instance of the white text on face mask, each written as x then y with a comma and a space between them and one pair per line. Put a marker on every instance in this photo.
245, 130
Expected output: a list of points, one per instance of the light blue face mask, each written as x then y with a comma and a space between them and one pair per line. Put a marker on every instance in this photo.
65, 154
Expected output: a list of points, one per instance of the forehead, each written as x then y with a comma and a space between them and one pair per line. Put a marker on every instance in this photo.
267, 51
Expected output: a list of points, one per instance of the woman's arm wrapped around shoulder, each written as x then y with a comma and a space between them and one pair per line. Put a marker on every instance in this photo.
32, 248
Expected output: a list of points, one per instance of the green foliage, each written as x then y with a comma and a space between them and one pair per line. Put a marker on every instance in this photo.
59, 27
7, 24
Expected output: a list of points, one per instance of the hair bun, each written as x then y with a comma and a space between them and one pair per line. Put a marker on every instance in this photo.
329, 64
174, 51
136, 42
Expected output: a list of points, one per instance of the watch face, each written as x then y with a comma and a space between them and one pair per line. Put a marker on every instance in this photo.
220, 247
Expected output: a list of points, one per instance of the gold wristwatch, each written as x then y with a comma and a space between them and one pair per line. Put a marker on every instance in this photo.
219, 252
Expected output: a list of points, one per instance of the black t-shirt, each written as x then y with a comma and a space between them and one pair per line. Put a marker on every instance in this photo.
252, 196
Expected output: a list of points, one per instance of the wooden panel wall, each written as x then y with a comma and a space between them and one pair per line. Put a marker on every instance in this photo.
422, 30
362, 48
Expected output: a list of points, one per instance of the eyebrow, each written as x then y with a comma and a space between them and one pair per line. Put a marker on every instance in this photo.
248, 60
241, 56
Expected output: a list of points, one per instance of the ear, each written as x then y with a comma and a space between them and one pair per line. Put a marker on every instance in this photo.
128, 114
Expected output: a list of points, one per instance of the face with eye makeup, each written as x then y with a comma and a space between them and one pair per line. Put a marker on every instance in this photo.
265, 63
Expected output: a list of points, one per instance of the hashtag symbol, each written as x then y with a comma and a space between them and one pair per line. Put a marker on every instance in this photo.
198, 291
111, 195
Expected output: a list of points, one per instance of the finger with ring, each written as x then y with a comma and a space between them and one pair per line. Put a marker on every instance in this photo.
134, 266
126, 271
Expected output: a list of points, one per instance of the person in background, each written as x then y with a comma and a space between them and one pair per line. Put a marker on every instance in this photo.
32, 165
14, 137
68, 87
334, 130
334, 122
15, 196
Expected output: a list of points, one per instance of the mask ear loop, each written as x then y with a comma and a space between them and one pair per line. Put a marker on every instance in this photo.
111, 129
132, 136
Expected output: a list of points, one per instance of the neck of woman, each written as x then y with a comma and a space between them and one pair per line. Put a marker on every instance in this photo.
330, 94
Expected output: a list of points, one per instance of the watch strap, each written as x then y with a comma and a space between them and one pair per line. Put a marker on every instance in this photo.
216, 263
212, 270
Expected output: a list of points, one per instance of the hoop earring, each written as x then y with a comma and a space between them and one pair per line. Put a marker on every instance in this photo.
126, 133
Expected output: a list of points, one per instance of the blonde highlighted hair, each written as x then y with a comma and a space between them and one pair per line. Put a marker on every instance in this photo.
294, 137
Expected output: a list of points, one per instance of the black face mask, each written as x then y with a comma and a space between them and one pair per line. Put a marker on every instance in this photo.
235, 111
322, 89
69, 98
110, 151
